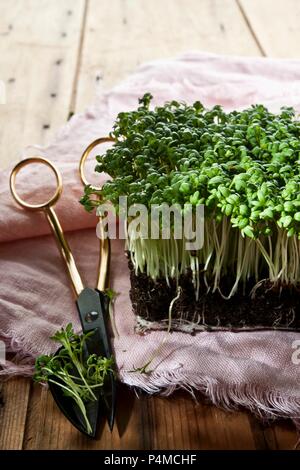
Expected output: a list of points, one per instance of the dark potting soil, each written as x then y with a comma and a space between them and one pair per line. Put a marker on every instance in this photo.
272, 306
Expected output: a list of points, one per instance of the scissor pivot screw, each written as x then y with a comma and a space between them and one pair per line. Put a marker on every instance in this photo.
91, 316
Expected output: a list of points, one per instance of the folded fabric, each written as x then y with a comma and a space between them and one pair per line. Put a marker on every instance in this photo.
251, 369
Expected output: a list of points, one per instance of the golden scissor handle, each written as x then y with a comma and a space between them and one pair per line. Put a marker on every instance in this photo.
27, 205
104, 255
46, 207
85, 155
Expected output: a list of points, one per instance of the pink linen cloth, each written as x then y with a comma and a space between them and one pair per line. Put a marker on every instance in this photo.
254, 370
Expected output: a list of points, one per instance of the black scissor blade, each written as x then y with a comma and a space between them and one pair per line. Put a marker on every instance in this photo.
92, 318
112, 404
93, 314
111, 387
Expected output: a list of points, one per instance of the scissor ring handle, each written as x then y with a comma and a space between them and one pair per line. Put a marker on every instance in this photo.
85, 155
12, 183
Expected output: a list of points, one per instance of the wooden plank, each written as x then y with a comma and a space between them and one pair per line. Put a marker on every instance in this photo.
280, 434
286, 436
121, 34
275, 25
141, 423
47, 428
276, 435
13, 410
38, 49
181, 423
147, 422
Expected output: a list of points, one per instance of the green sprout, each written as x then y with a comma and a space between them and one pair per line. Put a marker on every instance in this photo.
243, 166
78, 376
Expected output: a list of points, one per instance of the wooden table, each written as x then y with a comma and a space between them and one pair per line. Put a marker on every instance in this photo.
52, 54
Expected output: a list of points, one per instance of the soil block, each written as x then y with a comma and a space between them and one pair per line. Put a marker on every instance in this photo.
268, 306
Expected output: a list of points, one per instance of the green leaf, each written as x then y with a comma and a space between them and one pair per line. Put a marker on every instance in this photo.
111, 294
267, 214
216, 180
261, 196
145, 100
239, 184
255, 215
233, 199
224, 191
278, 208
228, 209
244, 209
248, 231
194, 198
243, 223
286, 221
297, 216
288, 206
267, 231
184, 188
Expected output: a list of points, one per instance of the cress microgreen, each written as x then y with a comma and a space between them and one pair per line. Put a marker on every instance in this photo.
242, 165
79, 376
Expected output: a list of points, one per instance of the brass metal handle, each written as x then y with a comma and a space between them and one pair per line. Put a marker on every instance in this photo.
104, 260
12, 183
104, 254
64, 250
85, 155
51, 216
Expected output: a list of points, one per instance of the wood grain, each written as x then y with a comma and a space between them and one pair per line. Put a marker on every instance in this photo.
13, 411
121, 34
143, 422
285, 436
39, 52
156, 423
275, 24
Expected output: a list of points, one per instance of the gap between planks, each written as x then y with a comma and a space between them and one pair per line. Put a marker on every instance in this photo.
251, 29
79, 58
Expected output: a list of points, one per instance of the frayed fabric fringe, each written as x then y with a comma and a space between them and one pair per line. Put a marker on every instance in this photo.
266, 404
19, 364
17, 367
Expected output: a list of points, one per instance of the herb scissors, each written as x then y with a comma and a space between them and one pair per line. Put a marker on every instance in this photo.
92, 303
